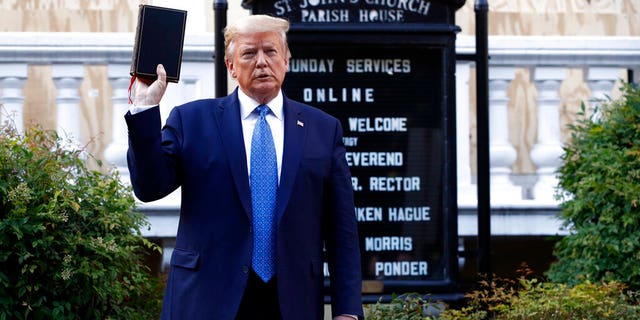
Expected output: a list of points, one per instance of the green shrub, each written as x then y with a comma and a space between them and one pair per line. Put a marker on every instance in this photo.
542, 301
599, 186
491, 298
70, 241
534, 300
505, 299
410, 306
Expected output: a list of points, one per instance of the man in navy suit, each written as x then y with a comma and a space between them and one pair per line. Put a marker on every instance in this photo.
205, 148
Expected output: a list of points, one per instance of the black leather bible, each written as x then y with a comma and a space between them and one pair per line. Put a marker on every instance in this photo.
159, 40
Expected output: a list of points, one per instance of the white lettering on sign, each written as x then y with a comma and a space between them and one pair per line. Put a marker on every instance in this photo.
388, 66
326, 11
326, 15
350, 141
388, 244
416, 6
380, 15
355, 184
316, 3
374, 159
282, 6
401, 268
413, 214
369, 213
311, 65
338, 95
378, 124
394, 184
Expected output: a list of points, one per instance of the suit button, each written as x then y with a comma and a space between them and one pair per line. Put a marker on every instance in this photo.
245, 269
251, 229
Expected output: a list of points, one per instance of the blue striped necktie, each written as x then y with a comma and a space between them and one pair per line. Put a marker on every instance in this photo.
264, 184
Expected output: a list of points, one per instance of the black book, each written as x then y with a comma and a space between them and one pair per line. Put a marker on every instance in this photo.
159, 40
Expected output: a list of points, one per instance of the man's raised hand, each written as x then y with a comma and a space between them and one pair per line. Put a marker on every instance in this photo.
150, 93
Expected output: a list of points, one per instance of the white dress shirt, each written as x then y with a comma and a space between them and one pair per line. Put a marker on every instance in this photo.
275, 119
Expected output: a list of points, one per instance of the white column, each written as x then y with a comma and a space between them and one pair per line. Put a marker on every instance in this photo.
467, 192
601, 80
546, 153
168, 244
502, 154
12, 79
116, 151
67, 79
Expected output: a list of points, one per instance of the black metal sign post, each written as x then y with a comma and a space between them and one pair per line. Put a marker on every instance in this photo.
482, 127
386, 69
220, 76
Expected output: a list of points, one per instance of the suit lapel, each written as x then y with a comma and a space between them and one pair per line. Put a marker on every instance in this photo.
228, 119
294, 137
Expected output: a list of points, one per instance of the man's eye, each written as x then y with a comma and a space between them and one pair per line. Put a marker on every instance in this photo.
248, 54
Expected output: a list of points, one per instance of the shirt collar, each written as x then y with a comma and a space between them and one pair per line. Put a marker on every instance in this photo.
247, 105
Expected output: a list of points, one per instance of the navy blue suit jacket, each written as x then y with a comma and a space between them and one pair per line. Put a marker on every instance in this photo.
201, 149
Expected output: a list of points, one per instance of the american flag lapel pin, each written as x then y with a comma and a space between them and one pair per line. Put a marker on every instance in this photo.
300, 123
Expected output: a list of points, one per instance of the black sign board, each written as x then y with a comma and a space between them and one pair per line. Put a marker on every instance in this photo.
391, 84
358, 11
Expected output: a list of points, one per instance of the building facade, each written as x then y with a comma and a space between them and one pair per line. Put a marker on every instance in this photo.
65, 65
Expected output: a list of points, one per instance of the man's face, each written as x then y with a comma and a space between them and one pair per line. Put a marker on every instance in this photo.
259, 62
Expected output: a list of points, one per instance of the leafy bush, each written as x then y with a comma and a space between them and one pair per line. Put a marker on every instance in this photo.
523, 298
599, 183
491, 298
410, 306
70, 241
584, 301
536, 300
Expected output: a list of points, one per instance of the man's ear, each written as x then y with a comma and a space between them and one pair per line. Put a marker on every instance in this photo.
229, 65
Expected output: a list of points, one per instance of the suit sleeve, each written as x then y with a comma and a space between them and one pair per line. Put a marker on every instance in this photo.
342, 242
153, 152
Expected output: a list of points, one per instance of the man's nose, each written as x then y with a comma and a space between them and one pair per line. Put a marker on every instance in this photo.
261, 58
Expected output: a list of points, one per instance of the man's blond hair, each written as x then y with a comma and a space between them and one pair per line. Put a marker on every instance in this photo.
255, 24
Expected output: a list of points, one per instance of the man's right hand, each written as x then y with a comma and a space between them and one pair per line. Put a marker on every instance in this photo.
149, 93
